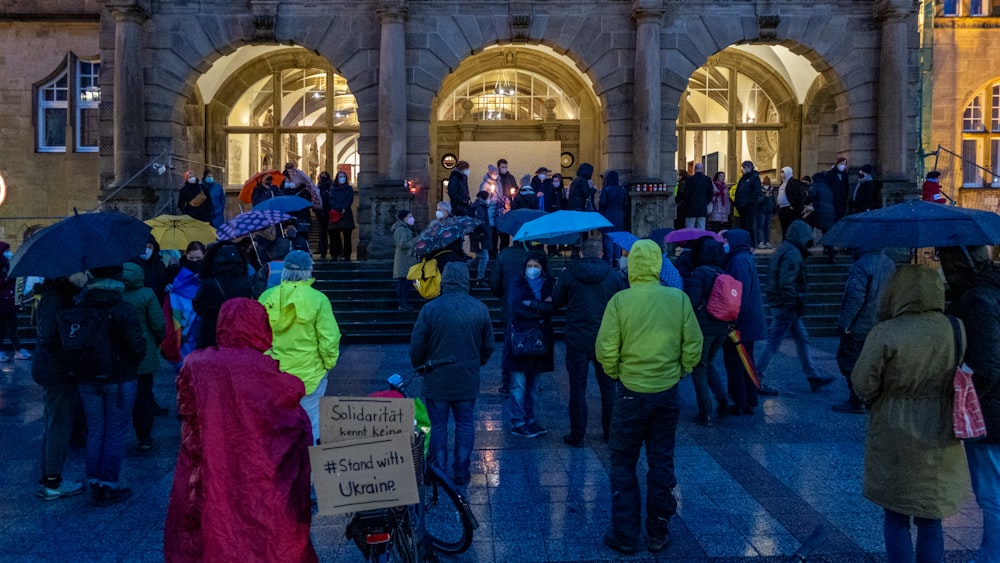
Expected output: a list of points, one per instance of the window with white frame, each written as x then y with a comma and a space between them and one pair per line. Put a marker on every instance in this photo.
88, 98
69, 98
972, 119
980, 144
53, 110
950, 8
979, 7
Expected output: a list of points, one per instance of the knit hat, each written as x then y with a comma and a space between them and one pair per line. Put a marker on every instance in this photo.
526, 180
491, 169
841, 159
401, 214
461, 165
867, 169
298, 260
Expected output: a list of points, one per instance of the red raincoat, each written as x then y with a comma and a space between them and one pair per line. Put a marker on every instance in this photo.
241, 486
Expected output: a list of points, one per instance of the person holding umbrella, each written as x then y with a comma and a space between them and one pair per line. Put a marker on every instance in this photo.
266, 189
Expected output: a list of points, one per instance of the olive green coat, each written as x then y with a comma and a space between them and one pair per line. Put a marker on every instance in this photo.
403, 235
914, 465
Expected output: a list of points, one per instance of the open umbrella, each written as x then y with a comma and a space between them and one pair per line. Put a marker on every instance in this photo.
176, 232
511, 221
442, 233
246, 223
915, 224
745, 357
246, 194
560, 223
623, 239
299, 177
284, 203
79, 243
689, 234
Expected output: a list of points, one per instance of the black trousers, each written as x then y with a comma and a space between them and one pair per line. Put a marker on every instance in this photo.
142, 409
340, 243
578, 368
742, 391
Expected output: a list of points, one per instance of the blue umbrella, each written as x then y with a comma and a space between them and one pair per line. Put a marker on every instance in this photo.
246, 223
560, 223
285, 203
623, 239
915, 224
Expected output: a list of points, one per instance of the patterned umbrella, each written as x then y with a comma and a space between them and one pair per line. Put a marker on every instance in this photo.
246, 223
442, 233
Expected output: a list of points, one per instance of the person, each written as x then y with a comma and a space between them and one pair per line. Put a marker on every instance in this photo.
150, 316
479, 239
559, 192
914, 466
452, 326
497, 205
458, 189
296, 184
441, 212
747, 199
341, 200
108, 402
718, 218
542, 184
612, 201
581, 190
193, 200
766, 205
223, 277
791, 199
708, 257
866, 280
680, 198
323, 215
931, 190
648, 339
154, 271
864, 197
698, 192
269, 273
306, 338
525, 198
508, 189
530, 300
836, 178
265, 189
8, 309
506, 268
974, 285
750, 324
823, 210
785, 291
246, 498
295, 237
584, 289
217, 196
403, 236
60, 394
178, 310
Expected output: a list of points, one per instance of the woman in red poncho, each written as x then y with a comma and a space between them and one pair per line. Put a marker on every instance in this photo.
241, 487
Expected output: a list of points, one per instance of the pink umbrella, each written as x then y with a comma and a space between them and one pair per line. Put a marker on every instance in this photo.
685, 235
299, 177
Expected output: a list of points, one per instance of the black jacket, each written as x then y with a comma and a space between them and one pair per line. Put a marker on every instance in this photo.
550, 195
709, 258
584, 289
223, 277
458, 193
47, 367
537, 312
202, 212
822, 201
698, 192
126, 331
841, 189
580, 190
796, 193
341, 197
865, 197
749, 192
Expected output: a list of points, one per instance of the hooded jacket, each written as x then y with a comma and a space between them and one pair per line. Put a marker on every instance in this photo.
47, 367
580, 190
126, 330
223, 276
748, 193
306, 336
786, 274
150, 315
612, 202
453, 325
741, 265
458, 193
584, 289
866, 281
403, 236
709, 259
525, 199
649, 336
913, 462
247, 498
822, 201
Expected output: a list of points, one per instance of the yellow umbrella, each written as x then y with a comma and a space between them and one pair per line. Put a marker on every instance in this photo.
175, 232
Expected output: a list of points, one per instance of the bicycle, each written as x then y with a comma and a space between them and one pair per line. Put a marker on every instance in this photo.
411, 534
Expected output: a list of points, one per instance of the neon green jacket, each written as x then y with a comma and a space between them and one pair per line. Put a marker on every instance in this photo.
306, 338
649, 337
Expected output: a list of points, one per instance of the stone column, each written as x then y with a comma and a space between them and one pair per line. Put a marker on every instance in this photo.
646, 127
128, 100
895, 92
392, 91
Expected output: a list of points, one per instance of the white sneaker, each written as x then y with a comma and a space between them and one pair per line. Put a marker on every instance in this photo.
22, 354
760, 245
66, 489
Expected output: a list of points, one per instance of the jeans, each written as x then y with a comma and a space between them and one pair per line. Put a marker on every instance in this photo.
482, 260
142, 411
899, 546
706, 377
109, 410
639, 418
763, 227
741, 390
340, 243
694, 222
464, 413
611, 251
787, 322
310, 404
523, 397
984, 465
403, 289
578, 367
60, 405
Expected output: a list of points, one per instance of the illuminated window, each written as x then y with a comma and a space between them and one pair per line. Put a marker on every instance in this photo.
972, 119
53, 110
980, 144
508, 94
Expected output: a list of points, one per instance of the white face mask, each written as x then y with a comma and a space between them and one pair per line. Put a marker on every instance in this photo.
192, 180
409, 220
623, 263
841, 167
542, 177
289, 185
533, 273
466, 171
147, 253
556, 183
439, 214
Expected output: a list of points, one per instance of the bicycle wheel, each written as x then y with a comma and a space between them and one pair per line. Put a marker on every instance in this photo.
402, 545
448, 520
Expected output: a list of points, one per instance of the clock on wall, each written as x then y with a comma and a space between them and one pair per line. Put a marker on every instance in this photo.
567, 159
449, 161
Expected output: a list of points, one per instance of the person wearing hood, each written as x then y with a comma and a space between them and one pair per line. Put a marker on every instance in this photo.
217, 195
525, 198
150, 315
193, 198
866, 281
224, 276
915, 468
648, 339
154, 271
249, 497
530, 300
786, 295
324, 186
306, 338
708, 257
613, 200
748, 196
584, 289
791, 199
581, 190
458, 189
479, 239
750, 323
341, 200
974, 285
8, 309
457, 326
822, 216
403, 235
178, 310
864, 196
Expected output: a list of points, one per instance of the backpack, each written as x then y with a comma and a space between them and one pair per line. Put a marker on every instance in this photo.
426, 278
86, 339
726, 297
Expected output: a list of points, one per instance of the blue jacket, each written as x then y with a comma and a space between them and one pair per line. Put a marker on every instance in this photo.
742, 266
218, 196
868, 276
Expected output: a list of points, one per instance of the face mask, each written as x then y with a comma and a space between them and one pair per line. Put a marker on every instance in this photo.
342, 179
439, 214
466, 171
623, 263
147, 254
409, 221
289, 185
542, 177
8, 254
209, 180
725, 248
494, 176
841, 167
556, 183
192, 180
533, 273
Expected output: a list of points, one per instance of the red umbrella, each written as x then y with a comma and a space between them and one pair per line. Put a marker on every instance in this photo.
747, 360
246, 194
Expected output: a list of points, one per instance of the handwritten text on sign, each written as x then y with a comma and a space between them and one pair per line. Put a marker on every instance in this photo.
363, 474
354, 418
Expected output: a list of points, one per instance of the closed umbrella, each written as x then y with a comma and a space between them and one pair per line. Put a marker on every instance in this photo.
554, 225
176, 232
915, 224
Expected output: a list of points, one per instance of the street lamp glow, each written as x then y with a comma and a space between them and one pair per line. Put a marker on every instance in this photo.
3, 190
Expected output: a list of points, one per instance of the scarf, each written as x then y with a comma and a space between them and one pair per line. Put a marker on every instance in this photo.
536, 286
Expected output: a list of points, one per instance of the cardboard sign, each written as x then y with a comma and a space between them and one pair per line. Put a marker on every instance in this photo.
357, 418
364, 474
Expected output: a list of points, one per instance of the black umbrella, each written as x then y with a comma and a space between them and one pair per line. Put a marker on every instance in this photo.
916, 224
442, 233
511, 221
79, 243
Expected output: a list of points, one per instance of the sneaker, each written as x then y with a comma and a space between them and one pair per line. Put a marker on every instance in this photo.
656, 543
538, 429
766, 390
524, 431
768, 245
22, 354
760, 245
571, 440
4, 357
66, 489
848, 408
612, 540
815, 383
103, 495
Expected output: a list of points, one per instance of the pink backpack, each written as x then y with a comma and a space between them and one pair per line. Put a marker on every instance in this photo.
726, 297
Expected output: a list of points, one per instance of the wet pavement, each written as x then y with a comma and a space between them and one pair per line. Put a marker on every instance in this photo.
749, 488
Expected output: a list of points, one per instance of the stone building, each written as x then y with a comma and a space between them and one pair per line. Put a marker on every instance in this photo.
114, 99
